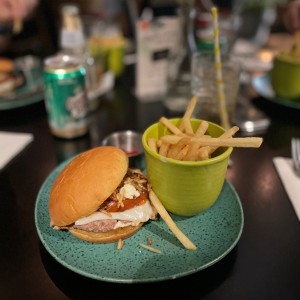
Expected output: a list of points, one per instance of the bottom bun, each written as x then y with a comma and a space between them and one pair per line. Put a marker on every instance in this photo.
106, 237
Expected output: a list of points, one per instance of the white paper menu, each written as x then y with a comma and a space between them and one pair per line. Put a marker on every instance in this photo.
158, 45
11, 144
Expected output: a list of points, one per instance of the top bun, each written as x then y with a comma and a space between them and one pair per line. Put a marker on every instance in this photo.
6, 65
85, 183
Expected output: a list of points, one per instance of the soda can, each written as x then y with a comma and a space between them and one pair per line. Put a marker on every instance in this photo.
66, 96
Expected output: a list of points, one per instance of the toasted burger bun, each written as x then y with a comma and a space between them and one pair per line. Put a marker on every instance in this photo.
6, 65
106, 237
85, 183
8, 80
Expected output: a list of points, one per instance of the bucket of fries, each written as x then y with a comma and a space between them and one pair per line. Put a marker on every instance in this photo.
187, 160
185, 187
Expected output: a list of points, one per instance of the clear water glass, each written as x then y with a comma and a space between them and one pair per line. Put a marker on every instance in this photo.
204, 85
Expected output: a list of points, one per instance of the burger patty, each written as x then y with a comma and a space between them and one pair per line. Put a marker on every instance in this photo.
98, 226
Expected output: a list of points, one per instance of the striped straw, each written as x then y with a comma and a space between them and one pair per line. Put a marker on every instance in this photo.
218, 70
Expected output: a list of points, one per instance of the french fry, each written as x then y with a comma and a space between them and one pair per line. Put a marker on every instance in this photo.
187, 127
152, 249
171, 126
170, 139
183, 143
173, 150
164, 148
152, 144
230, 132
192, 153
201, 129
174, 139
185, 241
176, 148
227, 134
204, 153
158, 143
189, 110
246, 142
182, 153
120, 244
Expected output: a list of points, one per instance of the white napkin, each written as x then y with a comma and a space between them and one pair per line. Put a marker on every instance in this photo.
12, 144
290, 180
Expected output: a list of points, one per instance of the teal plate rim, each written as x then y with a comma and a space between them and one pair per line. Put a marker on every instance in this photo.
24, 95
215, 232
262, 85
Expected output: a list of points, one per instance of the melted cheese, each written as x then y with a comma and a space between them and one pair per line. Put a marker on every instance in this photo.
137, 214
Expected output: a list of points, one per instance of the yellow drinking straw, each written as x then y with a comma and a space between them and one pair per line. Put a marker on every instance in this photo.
218, 70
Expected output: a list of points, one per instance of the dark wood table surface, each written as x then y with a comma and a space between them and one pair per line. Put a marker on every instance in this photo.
265, 264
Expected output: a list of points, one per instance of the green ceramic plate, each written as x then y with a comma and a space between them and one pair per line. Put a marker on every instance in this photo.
24, 95
262, 85
215, 232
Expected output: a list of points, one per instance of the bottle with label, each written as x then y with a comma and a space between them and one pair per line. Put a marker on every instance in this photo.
72, 37
201, 27
73, 42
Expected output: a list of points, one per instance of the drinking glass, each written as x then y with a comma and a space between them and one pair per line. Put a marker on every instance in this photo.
204, 85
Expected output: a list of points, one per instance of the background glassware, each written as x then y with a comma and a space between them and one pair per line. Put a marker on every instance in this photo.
106, 44
203, 84
201, 28
31, 66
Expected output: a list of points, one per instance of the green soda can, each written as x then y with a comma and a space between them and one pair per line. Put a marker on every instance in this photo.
65, 96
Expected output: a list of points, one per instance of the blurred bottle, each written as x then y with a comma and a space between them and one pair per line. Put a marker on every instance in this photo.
201, 27
106, 41
72, 39
73, 42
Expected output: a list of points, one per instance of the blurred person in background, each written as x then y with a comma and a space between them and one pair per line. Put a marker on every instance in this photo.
12, 15
291, 16
11, 10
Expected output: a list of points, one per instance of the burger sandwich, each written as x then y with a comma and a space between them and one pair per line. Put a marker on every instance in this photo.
97, 198
10, 77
